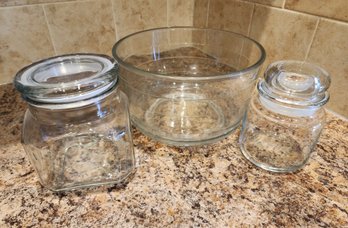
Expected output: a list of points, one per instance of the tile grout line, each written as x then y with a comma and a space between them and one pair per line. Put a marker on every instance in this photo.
49, 30
336, 114
207, 16
114, 18
167, 13
301, 13
293, 11
44, 3
312, 39
333, 20
280, 8
167, 9
251, 20
192, 15
248, 34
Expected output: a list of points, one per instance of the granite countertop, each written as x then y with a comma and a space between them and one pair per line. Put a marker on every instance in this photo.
209, 186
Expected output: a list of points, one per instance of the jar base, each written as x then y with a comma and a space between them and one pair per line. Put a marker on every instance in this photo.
268, 167
121, 181
186, 143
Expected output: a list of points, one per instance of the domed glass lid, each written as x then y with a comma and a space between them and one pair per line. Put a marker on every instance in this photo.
296, 83
67, 78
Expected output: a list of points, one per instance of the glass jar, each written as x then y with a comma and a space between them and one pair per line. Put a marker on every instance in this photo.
285, 117
76, 129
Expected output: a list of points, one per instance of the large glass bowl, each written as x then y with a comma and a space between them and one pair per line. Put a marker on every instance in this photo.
187, 86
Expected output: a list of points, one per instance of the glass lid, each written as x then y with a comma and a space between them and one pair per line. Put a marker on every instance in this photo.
67, 78
295, 83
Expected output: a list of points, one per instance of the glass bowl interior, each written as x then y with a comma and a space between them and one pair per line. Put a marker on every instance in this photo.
187, 86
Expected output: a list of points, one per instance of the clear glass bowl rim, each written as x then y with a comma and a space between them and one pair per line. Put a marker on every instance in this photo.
130, 67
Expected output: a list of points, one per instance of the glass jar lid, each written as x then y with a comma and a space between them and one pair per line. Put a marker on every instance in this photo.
67, 78
294, 87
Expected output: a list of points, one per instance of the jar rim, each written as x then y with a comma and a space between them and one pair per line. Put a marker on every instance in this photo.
67, 78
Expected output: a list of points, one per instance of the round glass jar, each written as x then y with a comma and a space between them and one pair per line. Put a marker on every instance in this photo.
285, 117
76, 130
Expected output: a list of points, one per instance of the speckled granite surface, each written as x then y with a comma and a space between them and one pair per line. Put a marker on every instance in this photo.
209, 186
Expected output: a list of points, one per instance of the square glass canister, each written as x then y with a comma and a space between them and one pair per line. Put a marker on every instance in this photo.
76, 130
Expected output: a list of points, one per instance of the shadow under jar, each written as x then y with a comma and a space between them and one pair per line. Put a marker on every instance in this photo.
76, 129
187, 86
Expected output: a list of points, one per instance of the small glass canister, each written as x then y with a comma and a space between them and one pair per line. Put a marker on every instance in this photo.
285, 117
76, 129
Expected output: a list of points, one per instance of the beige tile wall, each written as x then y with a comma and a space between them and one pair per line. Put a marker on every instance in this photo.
335, 9
24, 37
200, 13
284, 35
310, 30
31, 30
132, 16
79, 30
330, 50
234, 16
275, 3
